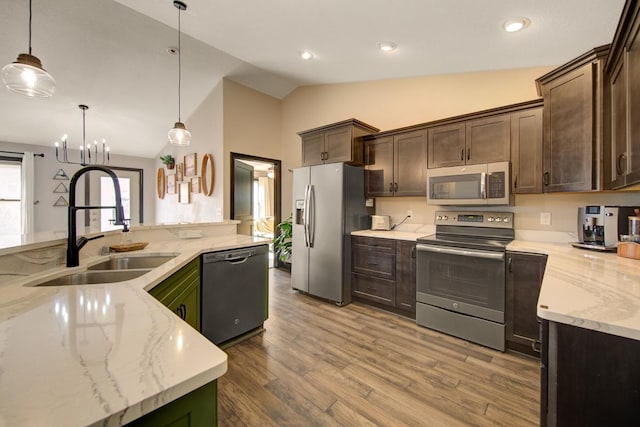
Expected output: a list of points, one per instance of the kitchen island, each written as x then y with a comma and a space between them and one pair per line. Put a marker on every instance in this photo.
102, 354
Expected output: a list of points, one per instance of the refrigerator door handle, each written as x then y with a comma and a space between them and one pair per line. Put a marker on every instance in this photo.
312, 215
305, 218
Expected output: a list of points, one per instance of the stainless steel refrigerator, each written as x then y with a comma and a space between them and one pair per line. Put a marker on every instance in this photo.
328, 204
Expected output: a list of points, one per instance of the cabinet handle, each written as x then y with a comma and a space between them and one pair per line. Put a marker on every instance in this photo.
536, 345
509, 265
545, 178
515, 182
468, 153
395, 187
462, 154
620, 169
391, 187
413, 252
326, 155
182, 311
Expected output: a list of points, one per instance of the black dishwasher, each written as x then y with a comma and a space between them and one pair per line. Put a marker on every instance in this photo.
234, 292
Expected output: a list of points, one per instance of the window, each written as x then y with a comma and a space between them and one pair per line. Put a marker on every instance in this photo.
108, 198
10, 195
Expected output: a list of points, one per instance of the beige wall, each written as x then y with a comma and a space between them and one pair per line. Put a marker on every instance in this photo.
251, 126
205, 125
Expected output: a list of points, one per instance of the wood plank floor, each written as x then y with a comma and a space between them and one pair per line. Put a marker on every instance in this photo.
321, 365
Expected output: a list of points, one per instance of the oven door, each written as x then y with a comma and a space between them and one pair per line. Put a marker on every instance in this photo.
467, 281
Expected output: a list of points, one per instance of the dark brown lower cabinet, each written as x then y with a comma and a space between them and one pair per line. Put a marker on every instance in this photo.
522, 286
384, 272
588, 378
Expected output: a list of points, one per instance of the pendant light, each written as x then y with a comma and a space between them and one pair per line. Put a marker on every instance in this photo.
26, 75
179, 135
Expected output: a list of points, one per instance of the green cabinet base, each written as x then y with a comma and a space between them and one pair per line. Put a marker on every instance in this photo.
196, 409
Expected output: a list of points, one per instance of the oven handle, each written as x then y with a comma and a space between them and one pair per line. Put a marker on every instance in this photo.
463, 252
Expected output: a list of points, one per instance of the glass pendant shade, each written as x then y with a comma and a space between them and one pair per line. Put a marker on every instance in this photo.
27, 77
179, 135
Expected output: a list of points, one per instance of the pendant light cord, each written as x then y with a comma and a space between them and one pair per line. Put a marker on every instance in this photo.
30, 15
179, 64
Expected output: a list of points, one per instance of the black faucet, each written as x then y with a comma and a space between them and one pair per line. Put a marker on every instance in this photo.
74, 245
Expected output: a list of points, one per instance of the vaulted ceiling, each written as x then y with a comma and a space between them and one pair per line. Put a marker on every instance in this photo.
112, 55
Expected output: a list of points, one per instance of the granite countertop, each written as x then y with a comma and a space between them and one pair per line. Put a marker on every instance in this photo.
101, 354
589, 289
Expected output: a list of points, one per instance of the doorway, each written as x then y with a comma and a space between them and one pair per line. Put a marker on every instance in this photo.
255, 196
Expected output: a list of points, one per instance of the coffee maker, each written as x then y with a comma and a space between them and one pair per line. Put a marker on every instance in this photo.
599, 227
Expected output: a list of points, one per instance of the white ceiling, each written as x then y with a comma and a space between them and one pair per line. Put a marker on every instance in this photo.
111, 55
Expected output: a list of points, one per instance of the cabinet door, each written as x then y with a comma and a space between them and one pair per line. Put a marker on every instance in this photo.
406, 276
568, 132
313, 149
617, 159
633, 102
526, 151
410, 165
446, 146
187, 306
337, 145
198, 408
379, 167
488, 140
523, 281
591, 378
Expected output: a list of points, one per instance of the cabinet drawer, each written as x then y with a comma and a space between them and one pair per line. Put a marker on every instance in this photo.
380, 245
379, 290
369, 261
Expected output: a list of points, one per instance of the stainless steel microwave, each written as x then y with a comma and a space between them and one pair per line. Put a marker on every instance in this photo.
482, 185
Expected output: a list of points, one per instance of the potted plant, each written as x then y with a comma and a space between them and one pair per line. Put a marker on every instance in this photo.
168, 160
282, 242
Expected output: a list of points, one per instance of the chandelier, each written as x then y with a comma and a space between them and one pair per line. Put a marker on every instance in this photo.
98, 158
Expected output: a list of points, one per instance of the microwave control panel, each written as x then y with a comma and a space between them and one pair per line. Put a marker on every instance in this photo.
496, 185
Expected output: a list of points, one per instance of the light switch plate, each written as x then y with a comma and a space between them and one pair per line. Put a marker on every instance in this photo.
545, 218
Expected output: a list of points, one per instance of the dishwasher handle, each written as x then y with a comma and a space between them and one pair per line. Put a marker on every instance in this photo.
235, 257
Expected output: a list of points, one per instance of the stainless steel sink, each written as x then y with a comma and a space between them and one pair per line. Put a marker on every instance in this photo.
132, 262
94, 277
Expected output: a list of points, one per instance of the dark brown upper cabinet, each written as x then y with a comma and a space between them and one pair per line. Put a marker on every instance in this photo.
471, 142
337, 142
622, 96
526, 151
396, 164
573, 123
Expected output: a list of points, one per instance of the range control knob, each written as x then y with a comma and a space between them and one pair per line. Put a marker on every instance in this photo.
438, 218
444, 217
490, 219
506, 219
498, 219
456, 305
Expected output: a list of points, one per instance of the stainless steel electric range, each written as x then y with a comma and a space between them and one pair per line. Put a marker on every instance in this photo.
460, 276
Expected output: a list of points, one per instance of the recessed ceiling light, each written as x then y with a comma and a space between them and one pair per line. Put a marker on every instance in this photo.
388, 46
516, 24
306, 55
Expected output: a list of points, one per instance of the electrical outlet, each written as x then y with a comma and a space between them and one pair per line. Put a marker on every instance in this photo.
545, 218
409, 214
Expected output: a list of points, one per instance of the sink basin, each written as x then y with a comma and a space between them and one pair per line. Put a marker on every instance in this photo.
132, 262
94, 277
